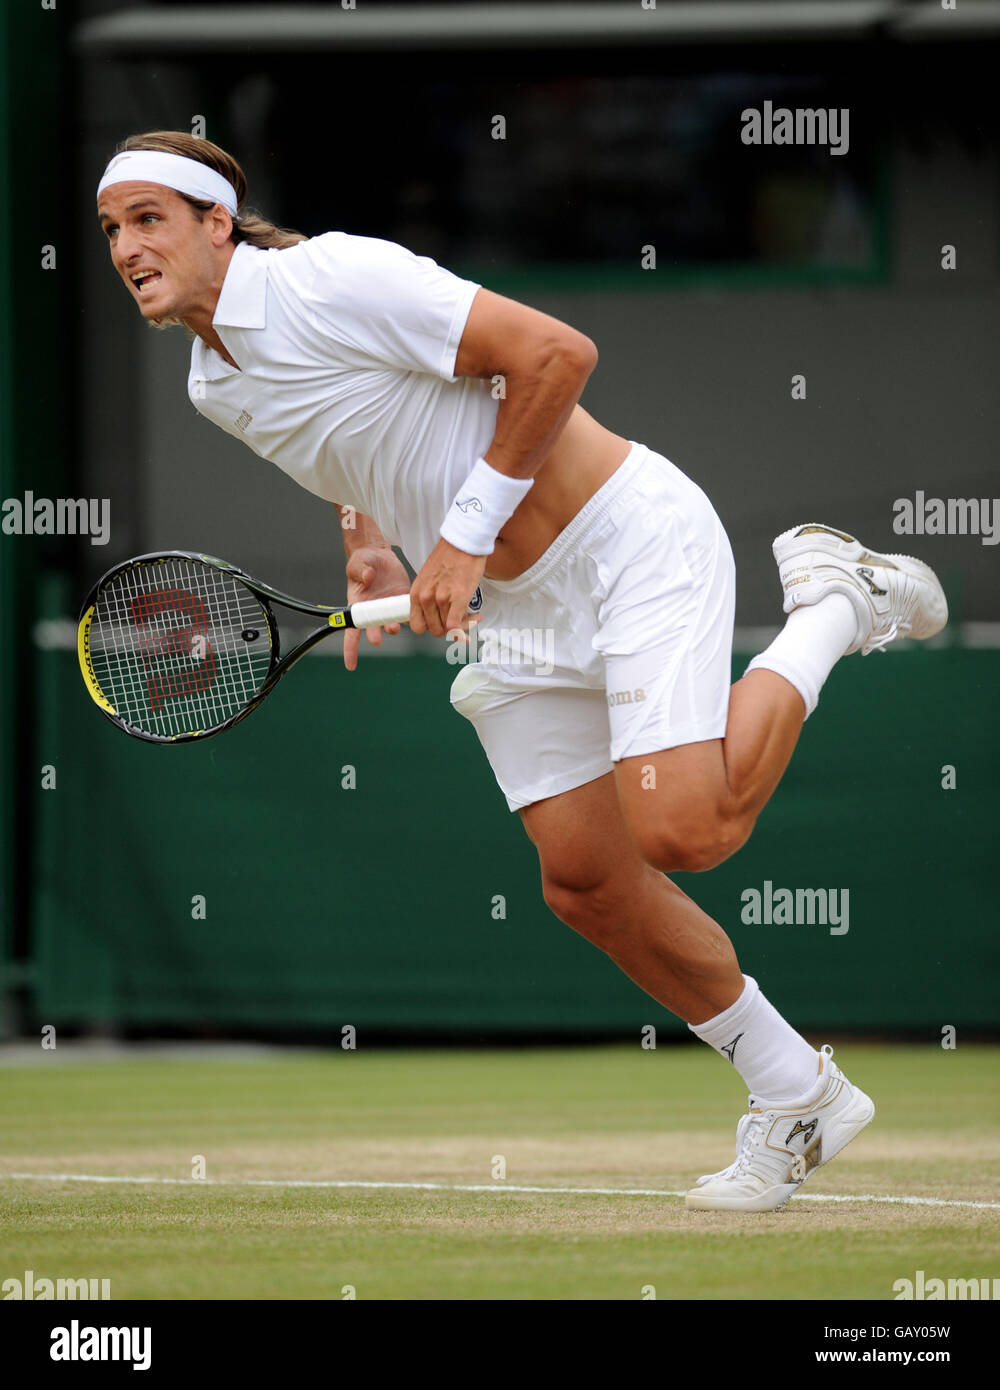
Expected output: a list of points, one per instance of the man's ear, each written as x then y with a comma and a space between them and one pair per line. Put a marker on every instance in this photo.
220, 225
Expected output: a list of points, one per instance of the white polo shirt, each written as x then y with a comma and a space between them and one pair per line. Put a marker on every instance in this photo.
347, 350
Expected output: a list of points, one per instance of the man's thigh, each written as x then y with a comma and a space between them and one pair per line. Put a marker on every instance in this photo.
582, 839
674, 795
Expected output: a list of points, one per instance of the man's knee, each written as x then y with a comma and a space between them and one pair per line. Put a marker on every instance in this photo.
693, 845
594, 909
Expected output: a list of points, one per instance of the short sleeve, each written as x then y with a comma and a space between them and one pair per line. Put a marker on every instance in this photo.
384, 304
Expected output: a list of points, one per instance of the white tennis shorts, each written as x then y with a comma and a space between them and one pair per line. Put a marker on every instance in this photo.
617, 642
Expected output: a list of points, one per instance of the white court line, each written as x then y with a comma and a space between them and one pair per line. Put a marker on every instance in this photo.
477, 1187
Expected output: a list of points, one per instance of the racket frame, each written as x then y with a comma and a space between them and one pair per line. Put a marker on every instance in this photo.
337, 619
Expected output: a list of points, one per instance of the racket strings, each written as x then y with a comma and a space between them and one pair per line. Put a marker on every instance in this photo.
178, 646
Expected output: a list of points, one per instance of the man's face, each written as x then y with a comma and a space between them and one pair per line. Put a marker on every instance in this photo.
163, 253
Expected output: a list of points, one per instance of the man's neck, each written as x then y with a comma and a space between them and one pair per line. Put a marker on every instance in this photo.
200, 319
214, 341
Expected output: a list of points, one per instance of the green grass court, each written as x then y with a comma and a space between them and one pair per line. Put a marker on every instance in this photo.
601, 1117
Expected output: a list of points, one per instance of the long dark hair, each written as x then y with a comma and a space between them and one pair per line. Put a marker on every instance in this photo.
247, 225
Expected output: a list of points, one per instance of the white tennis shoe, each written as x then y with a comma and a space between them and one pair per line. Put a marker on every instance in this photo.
778, 1146
893, 595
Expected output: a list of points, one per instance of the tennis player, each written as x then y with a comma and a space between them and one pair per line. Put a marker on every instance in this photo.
447, 418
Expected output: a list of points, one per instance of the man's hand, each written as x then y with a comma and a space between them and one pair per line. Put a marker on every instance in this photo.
441, 591
372, 572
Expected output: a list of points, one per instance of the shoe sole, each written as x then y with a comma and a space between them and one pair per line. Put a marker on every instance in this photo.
857, 1117
850, 549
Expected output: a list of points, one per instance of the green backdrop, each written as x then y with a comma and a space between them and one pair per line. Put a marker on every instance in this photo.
374, 907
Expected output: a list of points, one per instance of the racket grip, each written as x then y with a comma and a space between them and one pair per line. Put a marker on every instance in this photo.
374, 612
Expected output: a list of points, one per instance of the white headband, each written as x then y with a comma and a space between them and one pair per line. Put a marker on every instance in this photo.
173, 171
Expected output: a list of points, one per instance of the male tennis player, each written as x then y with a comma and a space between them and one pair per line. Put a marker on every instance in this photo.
365, 373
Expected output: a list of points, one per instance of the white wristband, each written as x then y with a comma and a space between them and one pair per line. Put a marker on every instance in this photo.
484, 502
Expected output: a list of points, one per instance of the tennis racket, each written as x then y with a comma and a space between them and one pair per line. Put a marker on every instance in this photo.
179, 646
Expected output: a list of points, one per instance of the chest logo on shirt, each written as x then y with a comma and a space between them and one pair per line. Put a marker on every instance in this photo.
242, 420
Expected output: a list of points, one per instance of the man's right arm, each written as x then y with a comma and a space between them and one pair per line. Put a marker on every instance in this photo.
359, 531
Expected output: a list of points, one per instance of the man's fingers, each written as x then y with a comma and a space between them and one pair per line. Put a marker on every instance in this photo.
351, 638
418, 618
374, 636
439, 618
436, 624
359, 571
440, 594
458, 616
424, 613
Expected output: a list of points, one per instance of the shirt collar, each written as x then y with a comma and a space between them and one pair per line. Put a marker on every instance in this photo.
243, 297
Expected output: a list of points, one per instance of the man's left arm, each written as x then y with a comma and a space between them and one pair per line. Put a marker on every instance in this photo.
545, 365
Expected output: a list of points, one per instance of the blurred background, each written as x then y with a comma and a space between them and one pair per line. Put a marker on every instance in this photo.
239, 888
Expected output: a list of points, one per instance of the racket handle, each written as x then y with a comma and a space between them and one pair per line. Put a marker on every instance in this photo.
374, 612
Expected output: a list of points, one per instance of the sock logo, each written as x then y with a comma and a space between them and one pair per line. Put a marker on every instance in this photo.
808, 1130
730, 1048
869, 577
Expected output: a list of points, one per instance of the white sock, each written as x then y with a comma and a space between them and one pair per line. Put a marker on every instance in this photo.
810, 644
777, 1064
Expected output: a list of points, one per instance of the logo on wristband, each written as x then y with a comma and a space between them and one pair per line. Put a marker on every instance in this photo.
470, 502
